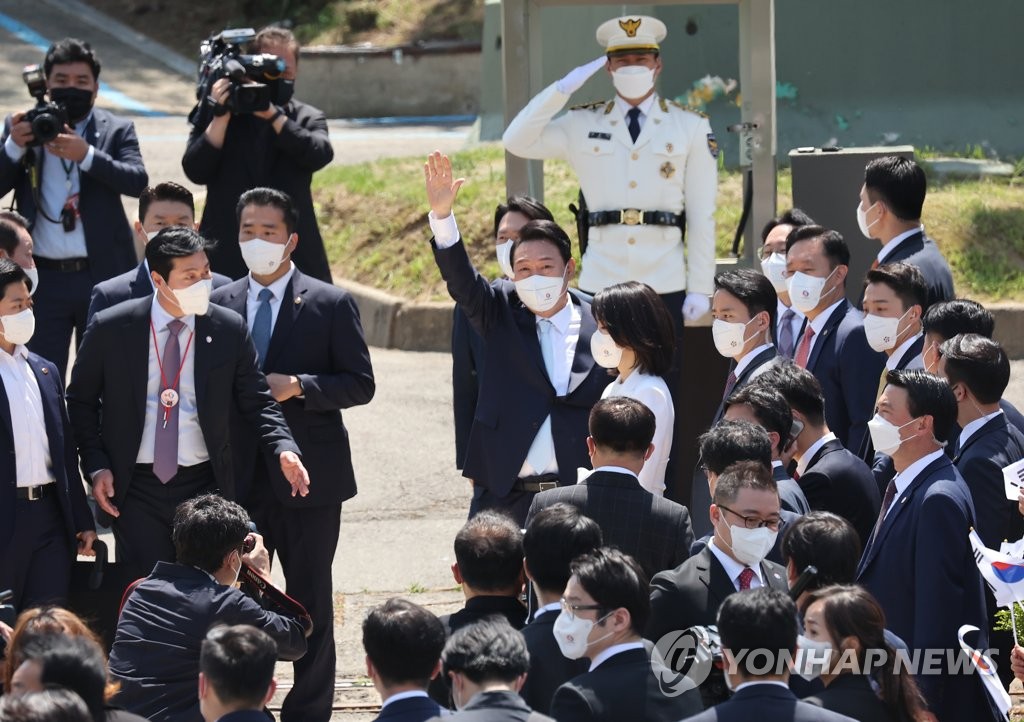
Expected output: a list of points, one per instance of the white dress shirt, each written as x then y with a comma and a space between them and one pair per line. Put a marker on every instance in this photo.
277, 289
612, 651
904, 478
889, 248
818, 324
974, 427
733, 568
553, 607
652, 392
624, 107
805, 459
403, 695
191, 444
32, 461
891, 362
747, 358
738, 687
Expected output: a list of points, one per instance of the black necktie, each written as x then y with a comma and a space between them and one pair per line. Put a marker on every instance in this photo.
634, 123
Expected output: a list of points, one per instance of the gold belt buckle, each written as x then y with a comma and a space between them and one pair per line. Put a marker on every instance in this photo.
632, 216
545, 485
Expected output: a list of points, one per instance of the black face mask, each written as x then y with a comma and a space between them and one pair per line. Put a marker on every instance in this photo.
285, 90
77, 101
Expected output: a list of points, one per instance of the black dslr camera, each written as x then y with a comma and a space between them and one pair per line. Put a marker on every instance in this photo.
47, 119
255, 79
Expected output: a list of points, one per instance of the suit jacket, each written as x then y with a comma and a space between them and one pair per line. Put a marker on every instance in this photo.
921, 251
757, 366
318, 338
495, 706
130, 284
980, 462
867, 448
63, 455
107, 395
246, 715
1013, 416
253, 156
467, 375
848, 371
652, 529
852, 695
502, 431
768, 703
691, 593
626, 686
923, 543
791, 496
549, 668
410, 709
116, 170
836, 480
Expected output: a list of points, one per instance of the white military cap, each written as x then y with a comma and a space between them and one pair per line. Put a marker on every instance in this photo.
631, 32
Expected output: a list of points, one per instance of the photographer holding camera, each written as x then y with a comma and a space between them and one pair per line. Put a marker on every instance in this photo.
244, 136
68, 164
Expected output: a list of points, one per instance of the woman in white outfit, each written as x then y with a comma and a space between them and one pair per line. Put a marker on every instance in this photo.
634, 340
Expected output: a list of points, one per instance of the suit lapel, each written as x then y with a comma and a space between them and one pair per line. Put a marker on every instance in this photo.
527, 323
756, 363
582, 360
827, 448
203, 362
292, 303
141, 285
140, 336
992, 426
51, 414
911, 353
713, 576
830, 326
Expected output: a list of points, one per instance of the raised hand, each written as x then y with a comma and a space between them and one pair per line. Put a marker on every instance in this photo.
441, 189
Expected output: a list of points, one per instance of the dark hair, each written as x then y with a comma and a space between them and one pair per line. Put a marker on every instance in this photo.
276, 35
10, 223
238, 662
752, 289
832, 243
622, 424
743, 475
544, 230
615, 580
174, 242
486, 651
727, 442
961, 315
526, 205
979, 363
15, 218
899, 183
758, 620
769, 406
51, 705
636, 318
71, 50
793, 217
827, 541
554, 537
404, 642
76, 663
799, 387
207, 529
851, 611
166, 191
489, 550
273, 198
905, 280
927, 395
11, 272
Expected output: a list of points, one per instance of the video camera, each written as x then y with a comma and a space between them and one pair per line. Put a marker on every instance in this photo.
47, 119
255, 79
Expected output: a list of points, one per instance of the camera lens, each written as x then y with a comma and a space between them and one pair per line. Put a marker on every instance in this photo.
45, 128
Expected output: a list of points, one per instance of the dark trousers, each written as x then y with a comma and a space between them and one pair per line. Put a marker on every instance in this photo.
305, 540
516, 503
674, 381
143, 531
60, 307
36, 565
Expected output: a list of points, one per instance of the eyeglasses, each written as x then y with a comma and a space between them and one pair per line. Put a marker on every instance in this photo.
571, 609
753, 522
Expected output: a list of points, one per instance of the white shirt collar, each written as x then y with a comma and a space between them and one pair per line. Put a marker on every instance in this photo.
563, 318
731, 566
975, 426
805, 459
617, 470
277, 287
161, 318
777, 683
404, 695
553, 607
889, 248
745, 361
612, 651
645, 107
892, 361
903, 478
19, 352
819, 323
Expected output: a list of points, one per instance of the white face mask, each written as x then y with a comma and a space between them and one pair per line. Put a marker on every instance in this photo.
813, 657
33, 275
774, 268
805, 290
504, 253
152, 234
885, 436
633, 81
19, 327
571, 634
607, 354
728, 337
194, 300
862, 220
262, 257
540, 293
751, 546
882, 332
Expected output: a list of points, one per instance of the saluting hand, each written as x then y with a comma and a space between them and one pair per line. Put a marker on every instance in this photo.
295, 473
441, 189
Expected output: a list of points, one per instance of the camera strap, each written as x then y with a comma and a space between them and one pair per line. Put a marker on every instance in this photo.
277, 599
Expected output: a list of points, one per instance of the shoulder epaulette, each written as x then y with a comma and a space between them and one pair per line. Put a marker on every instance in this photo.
608, 107
588, 106
688, 109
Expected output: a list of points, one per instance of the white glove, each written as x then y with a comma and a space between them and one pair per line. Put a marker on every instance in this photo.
578, 76
695, 306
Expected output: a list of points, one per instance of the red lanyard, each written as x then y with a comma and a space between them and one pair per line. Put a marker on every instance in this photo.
163, 378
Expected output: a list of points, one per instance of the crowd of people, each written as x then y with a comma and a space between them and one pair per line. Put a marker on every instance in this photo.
826, 534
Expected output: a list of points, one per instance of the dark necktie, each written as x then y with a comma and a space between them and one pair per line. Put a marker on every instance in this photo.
786, 340
634, 123
887, 500
261, 326
730, 384
746, 576
165, 446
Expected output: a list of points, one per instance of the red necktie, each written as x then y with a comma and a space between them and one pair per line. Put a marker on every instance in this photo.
730, 384
745, 578
874, 264
804, 350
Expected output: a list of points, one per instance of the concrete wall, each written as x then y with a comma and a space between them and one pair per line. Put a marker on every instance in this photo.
442, 79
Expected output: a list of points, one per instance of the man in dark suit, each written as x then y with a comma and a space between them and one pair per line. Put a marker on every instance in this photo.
788, 321
604, 612
764, 620
832, 346
279, 147
151, 395
165, 204
70, 191
310, 345
832, 478
44, 517
746, 519
403, 643
918, 563
16, 245
653, 530
537, 442
236, 674
554, 537
890, 206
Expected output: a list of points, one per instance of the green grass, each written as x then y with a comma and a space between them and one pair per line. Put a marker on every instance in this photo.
373, 219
